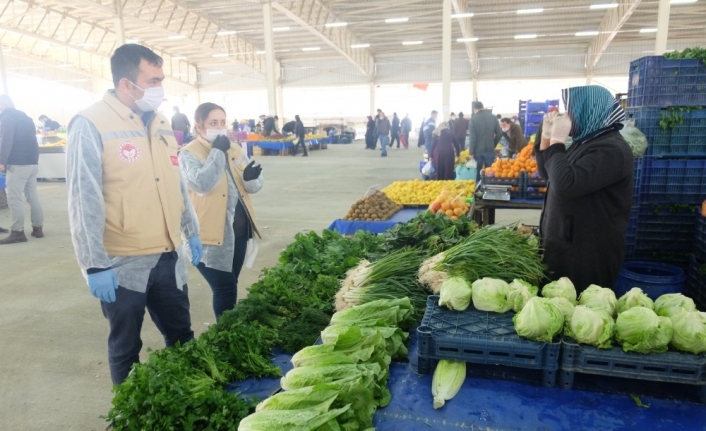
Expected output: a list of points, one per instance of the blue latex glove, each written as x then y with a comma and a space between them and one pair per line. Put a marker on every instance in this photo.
103, 285
196, 249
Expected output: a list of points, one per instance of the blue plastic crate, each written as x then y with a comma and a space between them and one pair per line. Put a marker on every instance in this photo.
696, 281
534, 107
687, 139
660, 82
483, 338
679, 258
673, 181
531, 129
2, 181
671, 367
700, 239
534, 118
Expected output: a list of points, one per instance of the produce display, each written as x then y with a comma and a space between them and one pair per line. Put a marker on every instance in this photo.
450, 204
511, 168
463, 157
455, 294
418, 192
539, 320
59, 143
376, 207
447, 381
340, 383
639, 329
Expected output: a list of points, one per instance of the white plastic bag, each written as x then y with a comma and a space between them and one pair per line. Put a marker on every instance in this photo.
428, 169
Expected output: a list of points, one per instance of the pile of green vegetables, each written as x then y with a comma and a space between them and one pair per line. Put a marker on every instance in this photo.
696, 52
338, 385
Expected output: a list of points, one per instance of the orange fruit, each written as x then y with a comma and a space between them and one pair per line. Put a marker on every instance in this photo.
449, 213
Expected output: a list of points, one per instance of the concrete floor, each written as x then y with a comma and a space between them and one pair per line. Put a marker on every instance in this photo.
53, 355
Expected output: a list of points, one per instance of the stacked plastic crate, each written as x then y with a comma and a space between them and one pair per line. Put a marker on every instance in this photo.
667, 101
534, 114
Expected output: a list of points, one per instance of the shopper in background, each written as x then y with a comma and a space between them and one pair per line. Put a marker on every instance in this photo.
241, 126
128, 209
484, 133
383, 131
587, 208
395, 130
513, 135
49, 124
499, 117
451, 122
269, 125
300, 133
516, 120
180, 122
443, 153
422, 137
406, 127
288, 128
428, 129
19, 159
370, 139
214, 169
377, 121
460, 131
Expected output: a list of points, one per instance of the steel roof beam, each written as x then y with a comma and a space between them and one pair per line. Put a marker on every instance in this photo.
467, 32
338, 38
611, 24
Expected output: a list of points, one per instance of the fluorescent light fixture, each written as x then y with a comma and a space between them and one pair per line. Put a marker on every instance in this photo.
179, 57
280, 29
336, 24
260, 52
132, 40
311, 48
360, 45
587, 33
413, 42
604, 6
220, 55
526, 36
648, 30
394, 20
216, 72
683, 1
226, 32
283, 50
526, 11
462, 15
177, 37
467, 39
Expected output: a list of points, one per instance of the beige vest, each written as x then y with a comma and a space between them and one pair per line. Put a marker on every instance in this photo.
141, 180
211, 207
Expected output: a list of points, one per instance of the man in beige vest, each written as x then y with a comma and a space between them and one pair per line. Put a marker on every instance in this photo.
128, 209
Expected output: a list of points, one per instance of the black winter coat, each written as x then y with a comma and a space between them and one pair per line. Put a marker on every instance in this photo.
18, 139
587, 208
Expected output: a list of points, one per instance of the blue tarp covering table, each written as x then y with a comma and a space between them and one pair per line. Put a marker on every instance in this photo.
350, 227
510, 403
282, 145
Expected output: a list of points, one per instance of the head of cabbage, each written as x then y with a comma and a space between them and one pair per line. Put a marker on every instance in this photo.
589, 326
539, 320
562, 287
640, 329
520, 292
689, 331
634, 297
566, 307
455, 294
671, 304
599, 298
490, 294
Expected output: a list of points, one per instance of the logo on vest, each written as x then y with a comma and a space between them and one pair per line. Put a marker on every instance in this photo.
129, 152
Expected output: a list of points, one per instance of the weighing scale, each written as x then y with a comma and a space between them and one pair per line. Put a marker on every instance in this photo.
496, 192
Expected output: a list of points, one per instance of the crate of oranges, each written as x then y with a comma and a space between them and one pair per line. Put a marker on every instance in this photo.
507, 171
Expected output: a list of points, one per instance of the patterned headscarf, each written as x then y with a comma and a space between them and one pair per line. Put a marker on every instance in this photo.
591, 108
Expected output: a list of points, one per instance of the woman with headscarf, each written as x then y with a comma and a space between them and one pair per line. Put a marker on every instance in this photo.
370, 138
589, 195
443, 153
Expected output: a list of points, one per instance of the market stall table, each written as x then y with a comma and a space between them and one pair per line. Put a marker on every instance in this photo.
484, 213
350, 227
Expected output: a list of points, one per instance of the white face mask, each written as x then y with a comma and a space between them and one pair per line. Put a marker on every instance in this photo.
212, 134
151, 99
505, 129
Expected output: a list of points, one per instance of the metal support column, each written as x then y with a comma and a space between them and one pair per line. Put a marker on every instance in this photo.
372, 99
3, 73
662, 27
280, 103
475, 87
270, 58
119, 24
446, 62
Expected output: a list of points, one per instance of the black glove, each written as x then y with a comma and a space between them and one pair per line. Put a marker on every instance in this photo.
222, 143
252, 172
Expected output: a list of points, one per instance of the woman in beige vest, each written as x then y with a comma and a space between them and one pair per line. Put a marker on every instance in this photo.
221, 178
